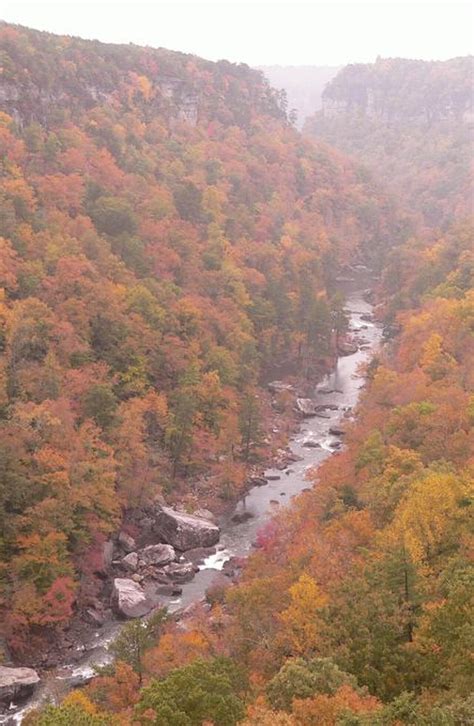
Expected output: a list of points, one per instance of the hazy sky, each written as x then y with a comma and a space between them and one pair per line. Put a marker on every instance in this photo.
261, 31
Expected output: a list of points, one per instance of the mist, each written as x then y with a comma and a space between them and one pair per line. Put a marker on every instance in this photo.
263, 32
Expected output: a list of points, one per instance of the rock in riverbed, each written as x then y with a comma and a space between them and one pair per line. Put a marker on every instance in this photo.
257, 481
158, 554
184, 531
305, 406
129, 599
310, 444
17, 683
180, 571
347, 347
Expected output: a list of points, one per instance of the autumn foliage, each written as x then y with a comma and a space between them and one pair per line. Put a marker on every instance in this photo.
165, 236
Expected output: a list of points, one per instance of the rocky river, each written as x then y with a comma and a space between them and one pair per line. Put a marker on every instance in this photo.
318, 437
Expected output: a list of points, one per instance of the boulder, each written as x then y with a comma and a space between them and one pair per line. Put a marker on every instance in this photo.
347, 348
335, 431
17, 683
130, 561
126, 542
129, 599
310, 444
184, 531
293, 458
305, 406
180, 571
159, 554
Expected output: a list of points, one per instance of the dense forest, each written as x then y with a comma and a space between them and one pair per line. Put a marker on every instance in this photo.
167, 238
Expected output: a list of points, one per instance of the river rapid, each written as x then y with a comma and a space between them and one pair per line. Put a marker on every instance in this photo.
342, 388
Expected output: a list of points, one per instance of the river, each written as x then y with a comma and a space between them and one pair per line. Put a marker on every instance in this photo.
345, 383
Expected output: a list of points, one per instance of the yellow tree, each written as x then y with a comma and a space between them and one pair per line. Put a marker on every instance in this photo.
435, 361
432, 516
301, 620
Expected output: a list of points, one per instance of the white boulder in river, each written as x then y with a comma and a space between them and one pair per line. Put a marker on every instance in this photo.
17, 683
184, 531
129, 598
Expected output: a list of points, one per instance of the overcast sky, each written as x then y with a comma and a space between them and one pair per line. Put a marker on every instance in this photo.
260, 31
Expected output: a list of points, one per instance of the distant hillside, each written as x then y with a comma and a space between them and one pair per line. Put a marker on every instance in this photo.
304, 86
410, 122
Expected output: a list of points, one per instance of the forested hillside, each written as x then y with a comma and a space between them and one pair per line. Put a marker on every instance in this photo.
356, 610
165, 235
411, 123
